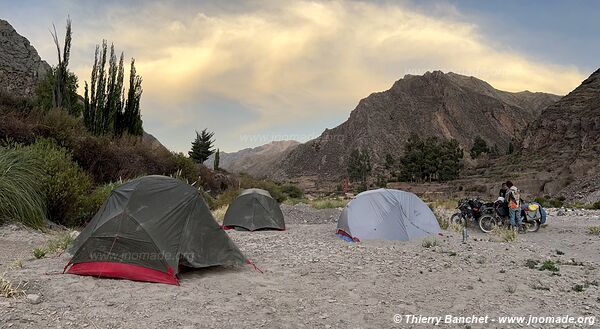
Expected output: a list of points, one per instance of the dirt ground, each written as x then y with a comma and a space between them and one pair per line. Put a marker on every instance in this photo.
312, 279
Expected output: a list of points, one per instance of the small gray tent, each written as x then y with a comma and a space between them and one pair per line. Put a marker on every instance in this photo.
388, 215
147, 229
254, 209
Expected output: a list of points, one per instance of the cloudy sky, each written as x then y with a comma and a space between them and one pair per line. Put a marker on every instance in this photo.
254, 71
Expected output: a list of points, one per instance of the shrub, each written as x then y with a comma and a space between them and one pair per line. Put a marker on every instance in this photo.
39, 253
429, 243
219, 213
64, 183
91, 203
595, 205
186, 167
549, 266
594, 230
328, 203
7, 290
273, 188
60, 243
292, 191
506, 234
21, 195
532, 263
549, 202
225, 198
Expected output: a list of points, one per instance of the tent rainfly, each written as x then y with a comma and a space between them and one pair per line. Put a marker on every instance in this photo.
254, 209
147, 230
388, 215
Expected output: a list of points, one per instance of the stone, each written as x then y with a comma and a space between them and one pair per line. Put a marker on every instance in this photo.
34, 298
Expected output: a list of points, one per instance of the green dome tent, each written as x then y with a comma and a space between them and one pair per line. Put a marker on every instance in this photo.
147, 229
254, 209
388, 215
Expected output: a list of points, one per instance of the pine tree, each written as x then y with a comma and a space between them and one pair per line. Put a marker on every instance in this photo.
216, 162
359, 166
202, 146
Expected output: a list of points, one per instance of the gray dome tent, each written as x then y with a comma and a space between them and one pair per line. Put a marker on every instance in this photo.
146, 229
254, 209
387, 214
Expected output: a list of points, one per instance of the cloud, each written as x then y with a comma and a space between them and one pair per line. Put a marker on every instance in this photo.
295, 62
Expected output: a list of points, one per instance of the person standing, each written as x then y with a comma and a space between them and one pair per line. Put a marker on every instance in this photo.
514, 205
503, 191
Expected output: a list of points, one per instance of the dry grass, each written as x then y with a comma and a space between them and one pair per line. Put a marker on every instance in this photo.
7, 290
456, 227
17, 264
446, 204
328, 203
219, 213
594, 230
429, 243
506, 234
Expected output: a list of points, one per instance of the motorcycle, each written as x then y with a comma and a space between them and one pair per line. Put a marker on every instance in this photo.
532, 216
471, 210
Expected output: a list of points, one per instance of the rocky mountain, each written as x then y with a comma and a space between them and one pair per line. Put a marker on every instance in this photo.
434, 104
567, 138
20, 65
257, 161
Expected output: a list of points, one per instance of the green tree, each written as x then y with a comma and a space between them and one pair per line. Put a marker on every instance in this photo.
216, 161
430, 160
359, 166
60, 91
479, 147
389, 161
202, 146
511, 148
44, 91
106, 110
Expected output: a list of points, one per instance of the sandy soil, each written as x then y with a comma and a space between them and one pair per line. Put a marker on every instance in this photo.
312, 279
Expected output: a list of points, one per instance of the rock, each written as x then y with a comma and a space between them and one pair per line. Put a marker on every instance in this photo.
21, 68
34, 298
74, 234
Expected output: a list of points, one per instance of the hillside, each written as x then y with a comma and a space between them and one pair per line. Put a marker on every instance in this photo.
20, 65
434, 104
256, 161
568, 136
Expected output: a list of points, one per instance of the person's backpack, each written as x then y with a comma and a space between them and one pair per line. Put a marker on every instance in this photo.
514, 198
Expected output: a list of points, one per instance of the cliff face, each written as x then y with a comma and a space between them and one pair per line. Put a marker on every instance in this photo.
566, 140
435, 104
20, 65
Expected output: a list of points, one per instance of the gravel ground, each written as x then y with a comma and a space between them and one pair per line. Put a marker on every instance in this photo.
312, 279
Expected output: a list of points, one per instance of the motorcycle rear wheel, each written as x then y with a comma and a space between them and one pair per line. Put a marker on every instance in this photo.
531, 225
487, 223
457, 219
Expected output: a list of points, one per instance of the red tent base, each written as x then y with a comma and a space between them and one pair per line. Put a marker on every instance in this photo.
124, 271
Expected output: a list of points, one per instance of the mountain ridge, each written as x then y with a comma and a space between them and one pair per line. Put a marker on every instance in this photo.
436, 104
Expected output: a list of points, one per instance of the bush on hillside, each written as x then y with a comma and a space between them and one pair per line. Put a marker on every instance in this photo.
273, 188
64, 183
21, 196
91, 203
225, 198
292, 191
186, 168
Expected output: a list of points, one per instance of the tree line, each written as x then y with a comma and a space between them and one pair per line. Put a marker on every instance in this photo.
107, 109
